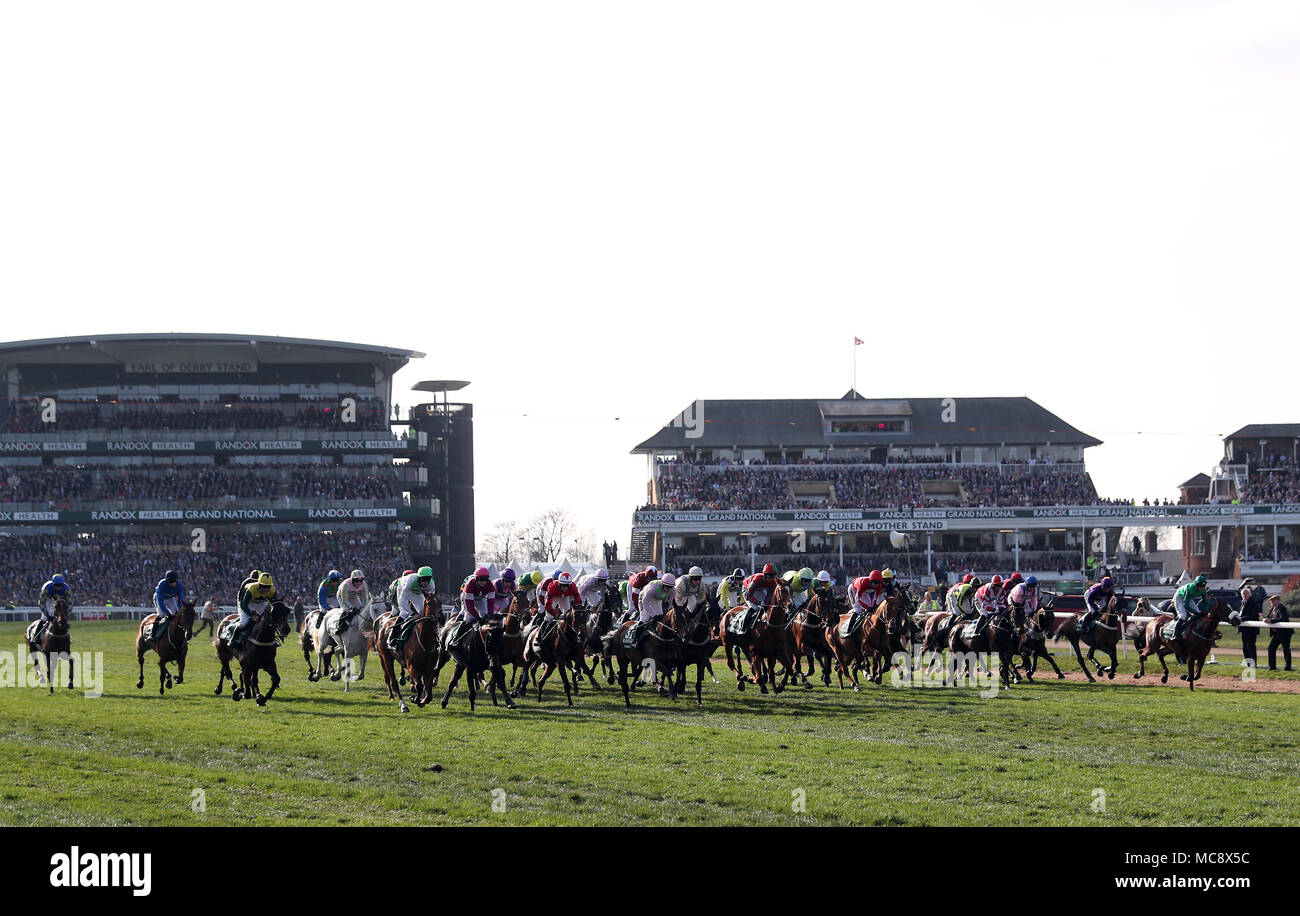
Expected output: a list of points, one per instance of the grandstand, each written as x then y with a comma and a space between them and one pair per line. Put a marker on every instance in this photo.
970, 484
1259, 468
124, 455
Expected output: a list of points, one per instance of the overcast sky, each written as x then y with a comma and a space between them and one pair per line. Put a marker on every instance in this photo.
598, 212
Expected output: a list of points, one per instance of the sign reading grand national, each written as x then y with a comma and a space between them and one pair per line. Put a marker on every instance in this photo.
342, 513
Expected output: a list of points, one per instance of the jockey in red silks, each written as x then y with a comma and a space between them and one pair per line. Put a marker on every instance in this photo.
561, 595
476, 594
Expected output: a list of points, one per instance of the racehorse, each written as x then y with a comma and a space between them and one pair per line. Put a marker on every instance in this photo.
934, 637
600, 622
699, 642
557, 650
55, 641
1198, 640
478, 651
419, 655
512, 643
307, 640
872, 640
764, 644
998, 637
808, 638
351, 642
256, 653
1033, 630
173, 646
1104, 635
659, 648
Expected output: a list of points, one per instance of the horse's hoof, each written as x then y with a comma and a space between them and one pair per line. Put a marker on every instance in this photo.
405, 708
139, 685
217, 691
180, 680
261, 701
1164, 679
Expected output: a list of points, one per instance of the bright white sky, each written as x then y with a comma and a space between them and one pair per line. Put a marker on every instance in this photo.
600, 211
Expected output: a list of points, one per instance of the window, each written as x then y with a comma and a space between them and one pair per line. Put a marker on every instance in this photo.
860, 425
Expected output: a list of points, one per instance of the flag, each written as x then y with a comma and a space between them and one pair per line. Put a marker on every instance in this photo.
858, 341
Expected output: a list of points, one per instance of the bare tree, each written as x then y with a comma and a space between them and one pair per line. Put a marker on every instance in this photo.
504, 544
583, 548
547, 534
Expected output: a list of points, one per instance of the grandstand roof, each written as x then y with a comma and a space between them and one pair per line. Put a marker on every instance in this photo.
804, 422
1267, 431
107, 349
1200, 480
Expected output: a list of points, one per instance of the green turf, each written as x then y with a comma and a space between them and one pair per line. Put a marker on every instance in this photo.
1033, 755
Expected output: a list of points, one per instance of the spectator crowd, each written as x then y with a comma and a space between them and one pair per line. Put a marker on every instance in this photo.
199, 483
123, 569
244, 413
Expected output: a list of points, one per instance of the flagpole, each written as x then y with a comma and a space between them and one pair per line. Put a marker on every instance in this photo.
854, 389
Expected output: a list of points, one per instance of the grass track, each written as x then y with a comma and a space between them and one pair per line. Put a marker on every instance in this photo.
886, 756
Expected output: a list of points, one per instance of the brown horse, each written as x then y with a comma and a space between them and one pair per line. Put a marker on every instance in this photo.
870, 643
808, 637
173, 646
1198, 640
934, 637
256, 653
1033, 630
55, 642
1104, 635
660, 649
517, 616
419, 654
764, 644
998, 637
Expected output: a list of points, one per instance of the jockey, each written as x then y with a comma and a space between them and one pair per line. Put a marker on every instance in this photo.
411, 592
865, 592
393, 588
824, 588
968, 579
353, 594
251, 579
887, 575
988, 601
327, 591
51, 591
800, 584
503, 590
168, 595
1009, 583
636, 583
961, 599
690, 590
759, 587
1023, 596
254, 599
728, 593
527, 586
655, 597
1096, 598
561, 595
1189, 601
477, 594
591, 588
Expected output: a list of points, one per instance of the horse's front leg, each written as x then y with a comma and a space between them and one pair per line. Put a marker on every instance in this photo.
275, 682
139, 685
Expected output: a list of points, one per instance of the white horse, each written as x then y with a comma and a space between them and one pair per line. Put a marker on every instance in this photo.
350, 643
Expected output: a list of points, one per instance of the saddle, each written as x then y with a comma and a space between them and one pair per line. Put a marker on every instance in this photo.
634, 634
344, 620
226, 632
968, 631
742, 623
853, 624
402, 629
458, 633
156, 630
